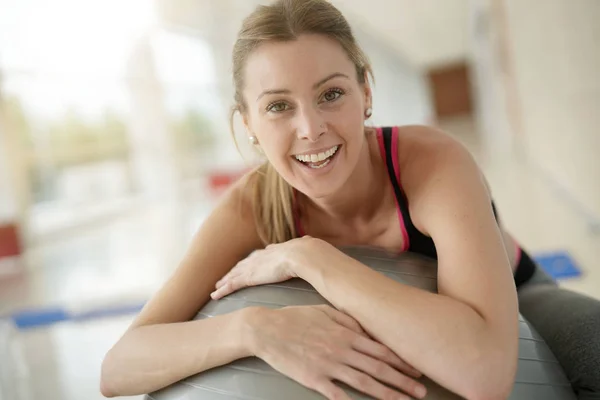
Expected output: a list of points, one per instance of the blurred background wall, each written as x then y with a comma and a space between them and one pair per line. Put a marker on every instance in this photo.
554, 74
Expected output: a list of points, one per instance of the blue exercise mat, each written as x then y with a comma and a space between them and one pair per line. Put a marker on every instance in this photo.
559, 265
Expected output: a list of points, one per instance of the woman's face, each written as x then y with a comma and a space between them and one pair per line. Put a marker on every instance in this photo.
306, 108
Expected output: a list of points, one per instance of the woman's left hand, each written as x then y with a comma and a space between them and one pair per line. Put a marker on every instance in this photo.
270, 265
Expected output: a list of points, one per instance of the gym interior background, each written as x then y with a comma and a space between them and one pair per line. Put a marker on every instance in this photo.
114, 145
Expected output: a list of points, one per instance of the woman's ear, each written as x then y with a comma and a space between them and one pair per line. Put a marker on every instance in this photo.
246, 123
252, 139
367, 92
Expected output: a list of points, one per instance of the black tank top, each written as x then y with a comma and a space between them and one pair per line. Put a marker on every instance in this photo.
418, 242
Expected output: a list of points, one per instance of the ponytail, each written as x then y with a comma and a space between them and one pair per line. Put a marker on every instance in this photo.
272, 201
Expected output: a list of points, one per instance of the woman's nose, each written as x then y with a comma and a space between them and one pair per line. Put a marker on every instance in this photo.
311, 125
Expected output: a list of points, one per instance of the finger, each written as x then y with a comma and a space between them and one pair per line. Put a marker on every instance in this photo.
221, 281
331, 391
383, 353
226, 279
229, 287
366, 384
233, 272
383, 372
343, 319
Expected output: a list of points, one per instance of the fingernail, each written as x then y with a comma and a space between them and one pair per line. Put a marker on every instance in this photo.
421, 391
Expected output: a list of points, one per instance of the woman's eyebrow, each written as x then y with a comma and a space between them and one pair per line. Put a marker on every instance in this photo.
315, 86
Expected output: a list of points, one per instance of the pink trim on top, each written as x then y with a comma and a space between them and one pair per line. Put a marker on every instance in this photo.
406, 240
395, 153
519, 253
395, 134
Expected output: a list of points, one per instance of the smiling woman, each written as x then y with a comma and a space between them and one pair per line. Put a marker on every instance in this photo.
302, 88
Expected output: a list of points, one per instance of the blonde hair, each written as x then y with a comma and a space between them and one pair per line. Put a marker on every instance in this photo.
273, 199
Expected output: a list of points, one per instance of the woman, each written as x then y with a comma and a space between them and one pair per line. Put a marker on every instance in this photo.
303, 92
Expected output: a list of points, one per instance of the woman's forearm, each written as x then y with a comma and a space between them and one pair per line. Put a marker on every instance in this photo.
443, 338
151, 357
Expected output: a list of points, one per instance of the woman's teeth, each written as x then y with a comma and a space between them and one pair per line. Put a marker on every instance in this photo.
319, 164
317, 158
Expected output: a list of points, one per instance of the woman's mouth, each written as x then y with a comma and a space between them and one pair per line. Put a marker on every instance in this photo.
318, 160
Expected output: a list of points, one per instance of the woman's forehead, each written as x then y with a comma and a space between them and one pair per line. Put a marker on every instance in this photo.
295, 63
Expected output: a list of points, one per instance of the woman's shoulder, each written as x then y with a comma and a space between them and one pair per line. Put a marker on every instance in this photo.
428, 147
436, 167
425, 151
237, 198
425, 138
414, 141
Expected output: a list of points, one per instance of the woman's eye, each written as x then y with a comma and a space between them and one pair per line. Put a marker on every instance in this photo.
277, 107
332, 95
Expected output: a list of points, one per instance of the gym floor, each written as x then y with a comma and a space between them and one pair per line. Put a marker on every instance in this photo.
114, 266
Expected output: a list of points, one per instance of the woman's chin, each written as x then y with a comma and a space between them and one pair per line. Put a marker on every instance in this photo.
319, 188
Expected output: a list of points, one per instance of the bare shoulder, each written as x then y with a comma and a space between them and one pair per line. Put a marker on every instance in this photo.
423, 150
434, 165
436, 168
225, 237
424, 138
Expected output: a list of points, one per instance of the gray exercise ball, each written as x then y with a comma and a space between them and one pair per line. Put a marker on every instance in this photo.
539, 375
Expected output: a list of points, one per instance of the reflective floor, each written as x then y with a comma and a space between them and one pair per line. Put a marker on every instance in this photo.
121, 261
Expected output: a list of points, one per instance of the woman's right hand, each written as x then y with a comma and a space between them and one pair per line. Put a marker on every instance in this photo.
315, 345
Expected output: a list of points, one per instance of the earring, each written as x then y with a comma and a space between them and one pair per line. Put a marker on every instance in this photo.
253, 140
368, 112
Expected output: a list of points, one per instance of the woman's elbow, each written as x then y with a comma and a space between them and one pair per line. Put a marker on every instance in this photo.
115, 377
495, 378
106, 390
107, 378
491, 391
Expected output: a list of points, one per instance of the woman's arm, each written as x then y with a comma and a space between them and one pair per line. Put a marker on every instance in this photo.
162, 346
465, 337
151, 357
